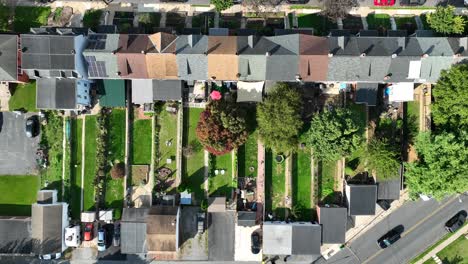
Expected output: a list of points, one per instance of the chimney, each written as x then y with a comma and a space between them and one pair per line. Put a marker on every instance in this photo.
463, 44
341, 42
190, 40
394, 55
267, 53
251, 41
425, 55
402, 42
143, 52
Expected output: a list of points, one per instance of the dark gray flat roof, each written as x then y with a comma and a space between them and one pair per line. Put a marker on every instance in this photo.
167, 90
56, 93
246, 218
388, 189
362, 199
306, 239
48, 52
367, 93
47, 228
333, 221
15, 235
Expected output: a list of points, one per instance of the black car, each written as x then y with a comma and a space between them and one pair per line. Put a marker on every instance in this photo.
456, 222
390, 237
412, 2
116, 237
256, 243
32, 126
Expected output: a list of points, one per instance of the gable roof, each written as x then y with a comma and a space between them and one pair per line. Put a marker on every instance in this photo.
313, 59
163, 42
333, 220
192, 62
161, 60
48, 52
53, 93
361, 199
100, 55
280, 238
282, 58
435, 46
222, 57
8, 57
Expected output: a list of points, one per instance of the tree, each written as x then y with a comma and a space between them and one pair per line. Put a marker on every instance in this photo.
450, 108
381, 158
442, 167
118, 171
222, 127
279, 118
444, 21
221, 5
335, 133
335, 9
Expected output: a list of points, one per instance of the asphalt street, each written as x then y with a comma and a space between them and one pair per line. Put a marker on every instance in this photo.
17, 152
423, 224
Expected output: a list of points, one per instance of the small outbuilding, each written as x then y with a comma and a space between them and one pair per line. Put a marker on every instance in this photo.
281, 238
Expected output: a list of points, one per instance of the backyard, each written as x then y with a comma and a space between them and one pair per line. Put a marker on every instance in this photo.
302, 183
193, 161
319, 23
231, 21
275, 176
221, 184
76, 165
352, 23
90, 162
91, 18
326, 181
4, 16
407, 23
124, 21
201, 20
18, 193
141, 141
24, 97
176, 20
247, 157
27, 17
167, 140
149, 21
378, 21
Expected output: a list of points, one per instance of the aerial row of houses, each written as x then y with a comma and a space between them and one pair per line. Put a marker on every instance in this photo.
83, 57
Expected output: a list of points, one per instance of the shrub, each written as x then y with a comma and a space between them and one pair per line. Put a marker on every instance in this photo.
118, 171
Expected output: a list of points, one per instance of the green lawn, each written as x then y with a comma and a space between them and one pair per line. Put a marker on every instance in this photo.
193, 165
221, 184
75, 164
376, 21
321, 24
90, 162
4, 16
24, 97
456, 252
275, 177
27, 17
247, 157
141, 142
326, 181
114, 187
407, 23
52, 138
302, 181
18, 193
91, 18
167, 133
412, 119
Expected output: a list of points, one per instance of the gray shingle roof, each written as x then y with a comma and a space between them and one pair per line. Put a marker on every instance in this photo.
167, 90
47, 229
333, 221
362, 199
343, 68
388, 189
48, 52
8, 57
431, 67
192, 61
435, 46
399, 68
373, 68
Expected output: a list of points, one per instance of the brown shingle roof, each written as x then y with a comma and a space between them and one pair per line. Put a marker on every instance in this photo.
222, 58
312, 45
161, 66
163, 42
132, 65
313, 58
161, 228
134, 43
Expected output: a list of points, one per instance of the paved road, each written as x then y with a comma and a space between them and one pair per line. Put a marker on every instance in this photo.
17, 152
423, 223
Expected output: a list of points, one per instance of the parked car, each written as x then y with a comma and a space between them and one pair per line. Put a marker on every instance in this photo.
457, 221
201, 222
297, 2
116, 237
390, 237
50, 256
256, 243
384, 2
101, 245
88, 232
32, 126
412, 2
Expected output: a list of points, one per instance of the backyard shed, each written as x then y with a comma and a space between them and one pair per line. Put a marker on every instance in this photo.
167, 90
361, 198
142, 91
281, 238
366, 93
250, 91
333, 220
112, 93
400, 92
88, 217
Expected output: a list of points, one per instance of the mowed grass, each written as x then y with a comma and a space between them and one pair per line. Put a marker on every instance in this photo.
302, 182
326, 180
90, 162
247, 157
376, 21
27, 17
221, 185
141, 142
167, 133
76, 165
4, 16
456, 252
18, 193
275, 176
114, 187
24, 97
193, 165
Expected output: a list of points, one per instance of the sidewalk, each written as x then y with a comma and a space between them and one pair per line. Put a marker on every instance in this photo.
436, 250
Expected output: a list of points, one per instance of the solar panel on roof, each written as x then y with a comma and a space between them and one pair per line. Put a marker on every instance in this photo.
97, 42
96, 68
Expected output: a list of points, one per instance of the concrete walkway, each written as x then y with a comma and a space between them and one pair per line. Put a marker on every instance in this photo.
206, 171
180, 124
462, 231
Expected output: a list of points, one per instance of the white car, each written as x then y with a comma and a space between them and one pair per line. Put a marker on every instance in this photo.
101, 245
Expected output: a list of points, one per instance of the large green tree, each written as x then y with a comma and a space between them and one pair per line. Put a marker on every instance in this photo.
335, 133
442, 168
450, 108
381, 158
279, 118
221, 5
444, 21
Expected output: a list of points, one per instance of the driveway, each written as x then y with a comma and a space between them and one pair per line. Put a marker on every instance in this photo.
193, 245
221, 236
423, 224
17, 152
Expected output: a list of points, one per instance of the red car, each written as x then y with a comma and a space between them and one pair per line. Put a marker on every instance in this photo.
88, 232
384, 2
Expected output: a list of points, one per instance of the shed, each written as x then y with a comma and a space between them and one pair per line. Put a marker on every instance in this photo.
48, 227
216, 204
366, 93
186, 198
106, 215
250, 91
400, 92
162, 229
361, 198
246, 218
281, 238
167, 90
112, 93
142, 91
333, 220
133, 230
88, 217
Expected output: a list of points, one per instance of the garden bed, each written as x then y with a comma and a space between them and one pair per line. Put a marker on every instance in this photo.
275, 177
92, 18
141, 141
27, 17
75, 166
221, 184
302, 183
407, 23
149, 21
24, 97
18, 194
378, 21
90, 162
247, 157
193, 164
